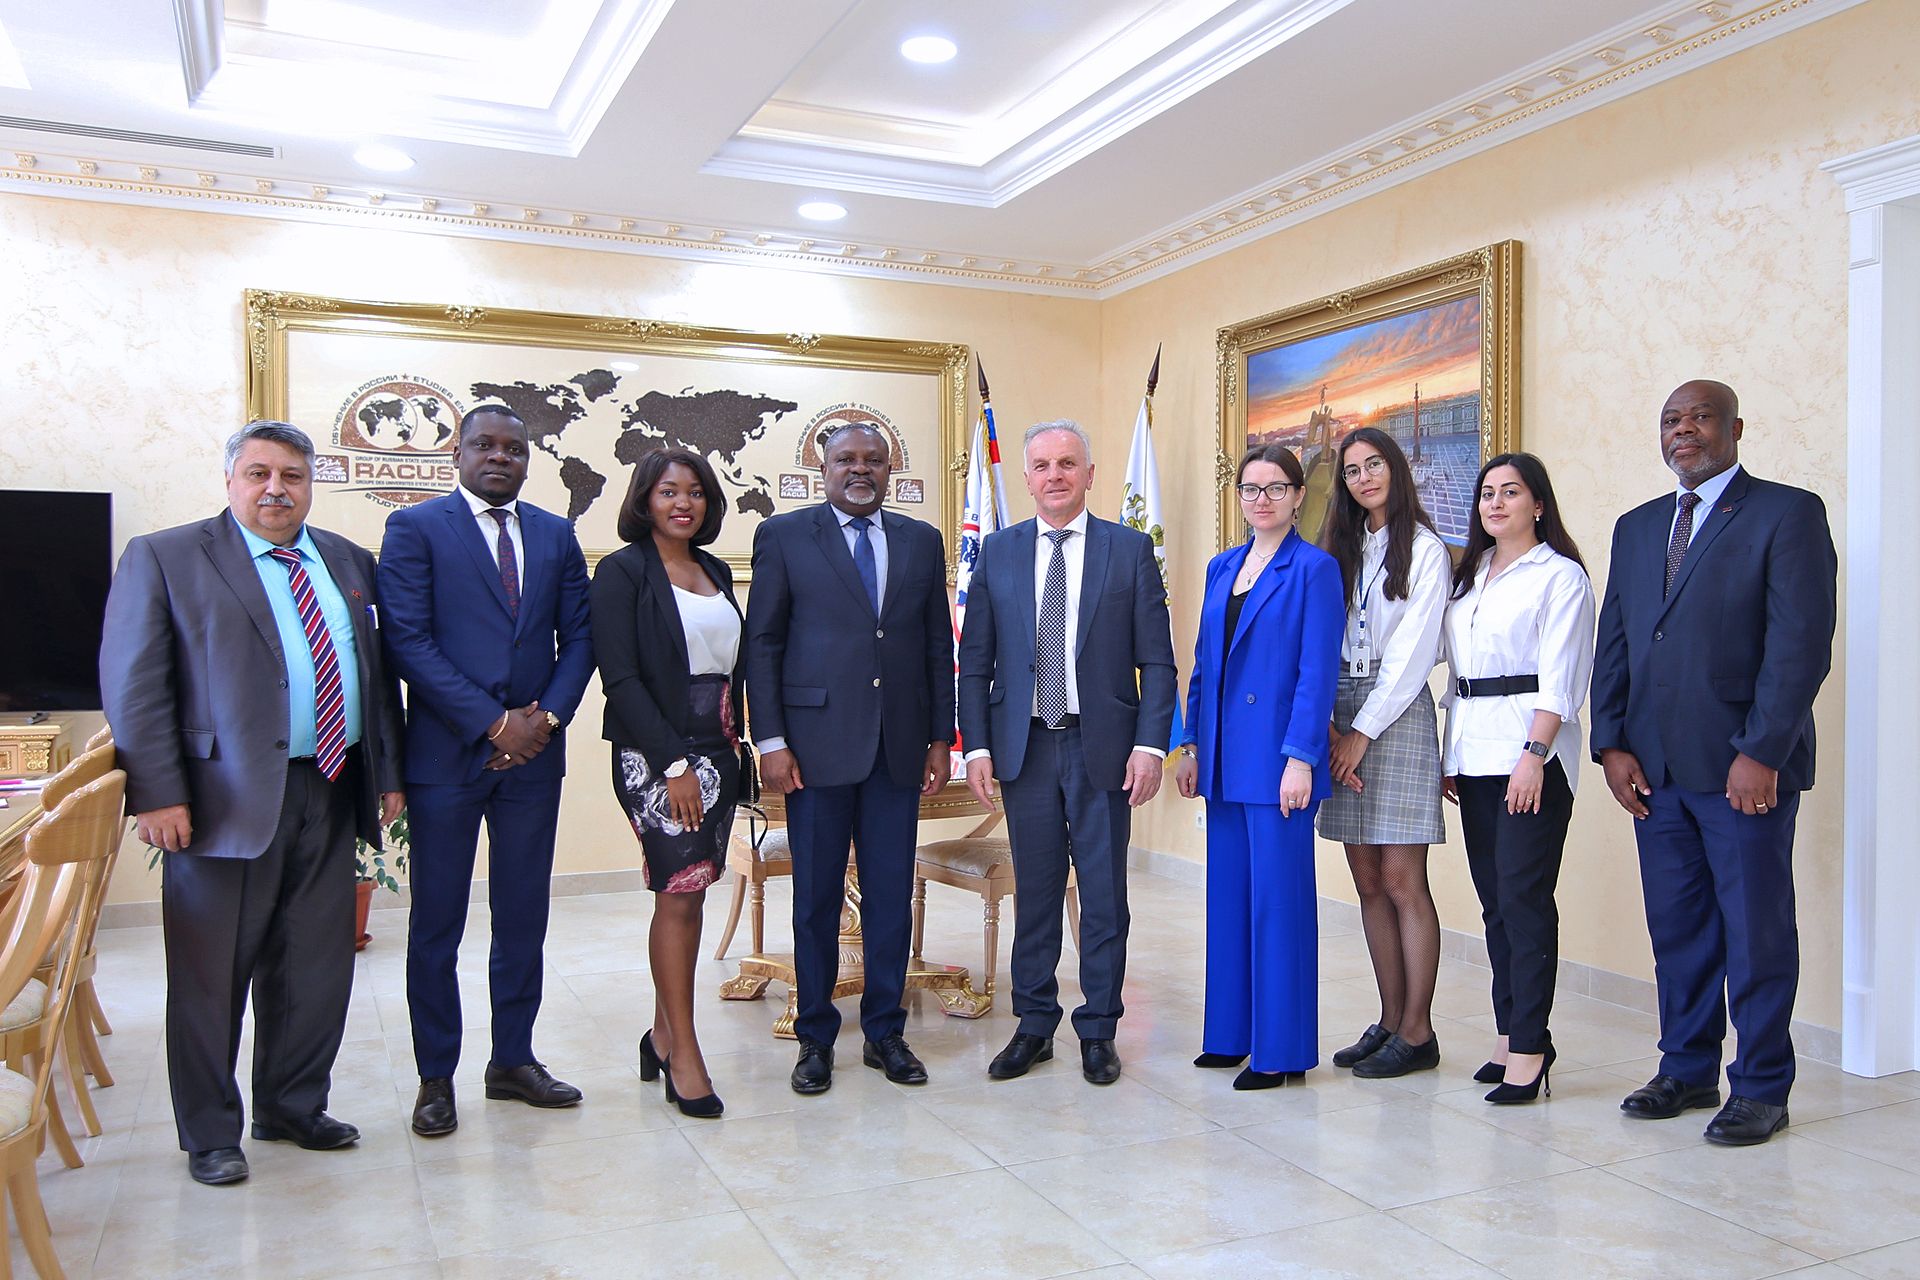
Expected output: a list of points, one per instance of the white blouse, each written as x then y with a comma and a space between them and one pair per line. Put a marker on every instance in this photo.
1403, 636
1535, 617
712, 629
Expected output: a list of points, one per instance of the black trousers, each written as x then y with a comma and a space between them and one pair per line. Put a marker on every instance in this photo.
1515, 861
281, 925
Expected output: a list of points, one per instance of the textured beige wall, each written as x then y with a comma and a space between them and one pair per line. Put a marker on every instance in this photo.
124, 365
1680, 232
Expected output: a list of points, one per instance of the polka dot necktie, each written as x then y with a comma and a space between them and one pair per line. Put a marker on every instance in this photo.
1682, 537
509, 565
329, 699
1050, 644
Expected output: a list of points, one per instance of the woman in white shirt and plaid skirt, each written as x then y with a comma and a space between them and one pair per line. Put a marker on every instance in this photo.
1386, 805
1518, 638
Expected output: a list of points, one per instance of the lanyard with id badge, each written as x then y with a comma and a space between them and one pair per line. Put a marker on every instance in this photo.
1360, 665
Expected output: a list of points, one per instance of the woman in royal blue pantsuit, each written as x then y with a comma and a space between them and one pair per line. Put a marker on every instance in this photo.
1259, 705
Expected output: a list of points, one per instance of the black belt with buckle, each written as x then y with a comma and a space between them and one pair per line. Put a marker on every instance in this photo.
1496, 686
1072, 721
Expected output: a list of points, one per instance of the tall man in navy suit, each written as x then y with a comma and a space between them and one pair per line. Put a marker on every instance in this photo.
486, 600
850, 689
1066, 696
1715, 635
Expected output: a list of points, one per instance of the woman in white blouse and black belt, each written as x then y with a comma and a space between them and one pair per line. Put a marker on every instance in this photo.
1519, 641
1385, 805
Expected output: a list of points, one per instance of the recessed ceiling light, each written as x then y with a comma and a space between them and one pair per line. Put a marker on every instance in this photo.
822, 211
382, 158
928, 49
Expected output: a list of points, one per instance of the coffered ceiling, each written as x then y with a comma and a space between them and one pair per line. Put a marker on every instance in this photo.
1068, 146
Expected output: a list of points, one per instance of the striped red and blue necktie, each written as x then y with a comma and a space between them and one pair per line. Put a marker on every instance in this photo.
329, 697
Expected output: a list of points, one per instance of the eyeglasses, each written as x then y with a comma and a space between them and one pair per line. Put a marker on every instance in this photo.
1372, 466
1274, 492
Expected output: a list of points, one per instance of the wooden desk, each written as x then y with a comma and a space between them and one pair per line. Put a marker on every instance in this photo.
949, 981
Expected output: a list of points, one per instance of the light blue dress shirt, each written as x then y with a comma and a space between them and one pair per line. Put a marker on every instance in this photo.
877, 536
302, 735
1709, 493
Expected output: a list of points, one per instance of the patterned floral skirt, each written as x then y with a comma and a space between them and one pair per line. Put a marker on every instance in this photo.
674, 859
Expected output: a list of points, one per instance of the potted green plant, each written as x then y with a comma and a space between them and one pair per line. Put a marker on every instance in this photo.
378, 867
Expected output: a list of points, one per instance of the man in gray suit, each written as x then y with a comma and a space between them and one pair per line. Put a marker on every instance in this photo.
241, 673
1066, 695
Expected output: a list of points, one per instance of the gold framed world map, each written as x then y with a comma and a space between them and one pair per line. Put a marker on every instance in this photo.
381, 388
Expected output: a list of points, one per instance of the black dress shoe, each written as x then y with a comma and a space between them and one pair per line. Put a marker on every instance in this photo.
1019, 1056
814, 1072
1744, 1122
1098, 1061
1664, 1097
1249, 1080
317, 1132
892, 1056
1219, 1059
218, 1167
1367, 1045
1398, 1058
434, 1115
532, 1084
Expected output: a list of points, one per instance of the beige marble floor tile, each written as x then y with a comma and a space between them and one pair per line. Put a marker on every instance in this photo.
1582, 1119
1893, 1262
509, 1198
615, 1102
1182, 1193
1052, 1111
1365, 1247
1817, 1198
987, 1225
1405, 1152
1890, 1135
838, 1144
412, 1271
725, 1246
1210, 1091
282, 1223
1118, 1271
1596, 1226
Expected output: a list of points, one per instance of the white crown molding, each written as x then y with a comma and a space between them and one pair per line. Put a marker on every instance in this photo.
849, 159
1878, 175
1663, 43
255, 86
1668, 42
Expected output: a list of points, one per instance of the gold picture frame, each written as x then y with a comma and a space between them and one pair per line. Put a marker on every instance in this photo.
1442, 323
381, 385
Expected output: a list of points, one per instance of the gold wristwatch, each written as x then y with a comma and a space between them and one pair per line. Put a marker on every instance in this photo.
553, 722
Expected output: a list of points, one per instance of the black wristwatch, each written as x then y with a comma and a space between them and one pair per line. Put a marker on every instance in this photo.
1540, 749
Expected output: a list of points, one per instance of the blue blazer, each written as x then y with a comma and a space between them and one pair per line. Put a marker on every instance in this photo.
464, 656
1123, 651
838, 683
1730, 660
1279, 677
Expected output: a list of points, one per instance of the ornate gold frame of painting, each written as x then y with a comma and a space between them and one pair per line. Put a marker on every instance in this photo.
271, 315
1493, 271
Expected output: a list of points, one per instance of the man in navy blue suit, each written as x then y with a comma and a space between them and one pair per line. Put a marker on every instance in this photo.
1716, 633
1066, 696
850, 688
486, 600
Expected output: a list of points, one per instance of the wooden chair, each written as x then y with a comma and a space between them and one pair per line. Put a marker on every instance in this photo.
981, 862
101, 737
80, 1051
64, 879
752, 867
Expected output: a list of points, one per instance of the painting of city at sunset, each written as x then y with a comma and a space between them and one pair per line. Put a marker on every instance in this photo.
1413, 355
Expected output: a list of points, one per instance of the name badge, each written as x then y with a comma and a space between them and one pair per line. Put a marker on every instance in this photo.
1360, 665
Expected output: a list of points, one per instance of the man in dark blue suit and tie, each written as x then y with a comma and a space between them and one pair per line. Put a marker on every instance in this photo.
850, 691
486, 600
1716, 633
1066, 696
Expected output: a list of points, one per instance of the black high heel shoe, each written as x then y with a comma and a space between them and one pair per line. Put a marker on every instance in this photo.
650, 1060
705, 1108
1491, 1073
1507, 1094
1219, 1060
1249, 1079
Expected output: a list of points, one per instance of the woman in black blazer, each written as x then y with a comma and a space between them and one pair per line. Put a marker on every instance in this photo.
666, 632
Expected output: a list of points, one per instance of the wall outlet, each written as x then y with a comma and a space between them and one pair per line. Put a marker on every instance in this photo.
1200, 820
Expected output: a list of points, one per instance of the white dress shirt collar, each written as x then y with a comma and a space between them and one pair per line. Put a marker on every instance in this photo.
480, 506
1710, 490
1078, 524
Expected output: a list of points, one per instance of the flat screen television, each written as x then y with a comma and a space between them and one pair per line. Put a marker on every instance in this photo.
56, 559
